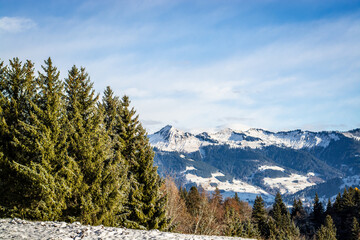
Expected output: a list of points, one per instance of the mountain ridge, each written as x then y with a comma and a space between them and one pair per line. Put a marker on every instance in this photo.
257, 161
253, 138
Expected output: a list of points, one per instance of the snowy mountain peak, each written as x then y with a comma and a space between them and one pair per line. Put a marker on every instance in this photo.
172, 139
354, 134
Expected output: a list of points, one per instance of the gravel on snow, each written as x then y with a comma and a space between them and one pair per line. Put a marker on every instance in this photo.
21, 229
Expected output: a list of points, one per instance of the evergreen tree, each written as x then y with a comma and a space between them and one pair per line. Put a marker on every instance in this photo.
236, 197
318, 212
279, 208
17, 91
248, 230
327, 231
284, 227
193, 201
51, 171
115, 169
90, 147
259, 216
355, 230
146, 202
329, 208
298, 212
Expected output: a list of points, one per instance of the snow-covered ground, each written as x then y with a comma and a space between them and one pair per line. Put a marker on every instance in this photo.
266, 167
245, 191
291, 184
20, 229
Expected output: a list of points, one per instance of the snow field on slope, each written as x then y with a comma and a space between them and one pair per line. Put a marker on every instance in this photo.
21, 229
266, 167
209, 184
291, 184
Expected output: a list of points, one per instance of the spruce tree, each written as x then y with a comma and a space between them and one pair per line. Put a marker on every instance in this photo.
115, 169
355, 230
146, 202
51, 171
327, 231
318, 212
193, 201
259, 216
279, 208
236, 197
285, 227
90, 147
329, 208
17, 87
298, 212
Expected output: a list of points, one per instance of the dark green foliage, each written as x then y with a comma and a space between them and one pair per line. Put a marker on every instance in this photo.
146, 202
65, 156
17, 85
279, 208
317, 214
298, 211
327, 231
282, 227
329, 208
193, 201
100, 197
300, 216
236, 227
51, 171
259, 216
355, 230
114, 179
236, 197
345, 209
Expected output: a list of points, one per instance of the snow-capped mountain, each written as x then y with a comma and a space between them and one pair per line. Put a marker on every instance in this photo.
257, 161
172, 139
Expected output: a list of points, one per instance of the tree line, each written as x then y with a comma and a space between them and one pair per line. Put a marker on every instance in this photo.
199, 212
66, 155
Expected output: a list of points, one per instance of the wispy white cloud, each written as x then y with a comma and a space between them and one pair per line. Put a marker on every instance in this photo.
295, 75
15, 24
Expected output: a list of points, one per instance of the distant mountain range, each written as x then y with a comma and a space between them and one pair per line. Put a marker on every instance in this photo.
258, 162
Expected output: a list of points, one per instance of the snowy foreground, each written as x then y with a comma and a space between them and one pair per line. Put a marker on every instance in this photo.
21, 229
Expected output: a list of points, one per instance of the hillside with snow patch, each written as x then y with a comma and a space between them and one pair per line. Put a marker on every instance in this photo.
256, 161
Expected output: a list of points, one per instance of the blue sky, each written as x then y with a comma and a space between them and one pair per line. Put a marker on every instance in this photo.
201, 65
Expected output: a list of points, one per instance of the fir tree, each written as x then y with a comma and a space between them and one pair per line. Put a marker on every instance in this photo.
146, 202
51, 171
259, 216
236, 197
115, 169
193, 201
284, 227
279, 208
329, 208
355, 230
318, 212
298, 212
17, 87
90, 147
327, 231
